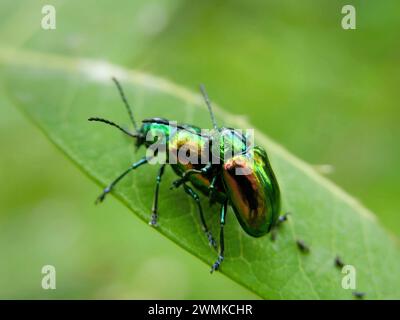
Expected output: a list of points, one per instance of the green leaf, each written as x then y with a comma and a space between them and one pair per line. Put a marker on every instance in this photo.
59, 94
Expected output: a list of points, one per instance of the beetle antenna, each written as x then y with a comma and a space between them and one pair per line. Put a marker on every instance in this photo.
208, 103
123, 97
133, 135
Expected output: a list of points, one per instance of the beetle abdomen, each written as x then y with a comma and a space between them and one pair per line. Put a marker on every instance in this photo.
253, 192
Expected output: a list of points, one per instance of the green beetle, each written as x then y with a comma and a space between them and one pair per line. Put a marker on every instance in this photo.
253, 193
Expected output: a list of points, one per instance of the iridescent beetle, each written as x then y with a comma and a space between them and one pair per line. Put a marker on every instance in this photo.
254, 197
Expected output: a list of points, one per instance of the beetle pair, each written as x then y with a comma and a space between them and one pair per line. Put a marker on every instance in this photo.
254, 196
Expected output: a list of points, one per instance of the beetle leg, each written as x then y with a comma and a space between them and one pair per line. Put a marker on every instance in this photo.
302, 246
220, 258
188, 173
358, 295
281, 219
274, 233
112, 184
211, 189
196, 198
177, 183
154, 210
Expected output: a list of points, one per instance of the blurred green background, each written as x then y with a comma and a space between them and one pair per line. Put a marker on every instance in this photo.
328, 95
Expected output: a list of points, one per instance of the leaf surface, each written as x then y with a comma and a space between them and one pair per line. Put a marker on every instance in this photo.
59, 94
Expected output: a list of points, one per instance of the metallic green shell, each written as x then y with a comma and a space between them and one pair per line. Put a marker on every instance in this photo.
255, 197
188, 136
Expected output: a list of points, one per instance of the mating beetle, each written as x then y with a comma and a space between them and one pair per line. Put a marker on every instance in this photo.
254, 196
